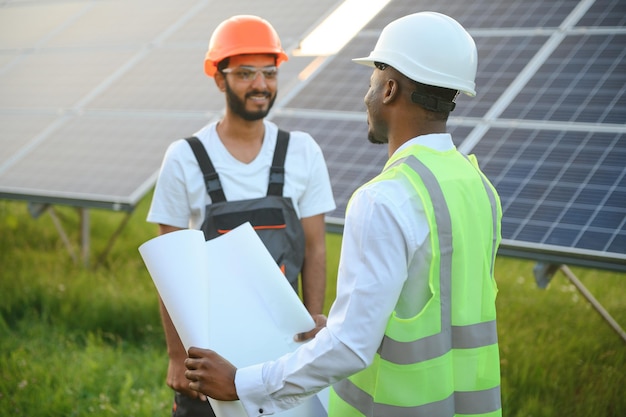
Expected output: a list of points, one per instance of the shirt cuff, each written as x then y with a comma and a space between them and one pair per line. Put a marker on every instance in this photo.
251, 391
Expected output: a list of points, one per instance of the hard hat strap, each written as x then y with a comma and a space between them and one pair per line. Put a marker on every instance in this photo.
432, 103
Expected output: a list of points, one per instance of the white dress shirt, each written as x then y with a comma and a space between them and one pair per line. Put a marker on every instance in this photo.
384, 243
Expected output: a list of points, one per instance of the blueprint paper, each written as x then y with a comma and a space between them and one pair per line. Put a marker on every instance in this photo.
179, 269
227, 294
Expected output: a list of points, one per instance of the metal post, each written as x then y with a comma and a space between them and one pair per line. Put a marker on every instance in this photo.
64, 237
595, 303
112, 239
84, 235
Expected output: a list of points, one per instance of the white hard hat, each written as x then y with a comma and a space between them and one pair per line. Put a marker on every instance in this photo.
430, 48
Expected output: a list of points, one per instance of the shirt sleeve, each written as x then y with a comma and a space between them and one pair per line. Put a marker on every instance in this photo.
371, 275
170, 201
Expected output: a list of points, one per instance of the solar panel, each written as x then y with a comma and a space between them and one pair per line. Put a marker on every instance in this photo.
583, 80
73, 165
89, 90
561, 190
547, 126
92, 93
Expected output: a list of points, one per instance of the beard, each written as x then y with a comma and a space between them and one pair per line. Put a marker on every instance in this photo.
238, 106
376, 140
374, 137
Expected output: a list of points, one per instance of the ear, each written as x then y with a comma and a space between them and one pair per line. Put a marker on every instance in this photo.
220, 82
392, 91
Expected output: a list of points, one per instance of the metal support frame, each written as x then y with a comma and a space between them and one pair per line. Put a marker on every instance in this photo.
36, 210
543, 275
116, 233
59, 226
85, 240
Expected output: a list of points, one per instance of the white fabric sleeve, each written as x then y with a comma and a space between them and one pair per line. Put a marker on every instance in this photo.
170, 201
249, 384
373, 269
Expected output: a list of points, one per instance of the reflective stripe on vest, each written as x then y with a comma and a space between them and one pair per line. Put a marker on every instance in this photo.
480, 336
476, 402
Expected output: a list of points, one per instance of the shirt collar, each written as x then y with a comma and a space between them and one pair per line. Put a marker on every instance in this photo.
438, 141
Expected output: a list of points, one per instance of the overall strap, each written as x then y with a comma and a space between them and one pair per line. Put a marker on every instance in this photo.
211, 179
277, 170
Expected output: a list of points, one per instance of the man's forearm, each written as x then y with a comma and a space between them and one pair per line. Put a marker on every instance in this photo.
175, 348
314, 282
314, 268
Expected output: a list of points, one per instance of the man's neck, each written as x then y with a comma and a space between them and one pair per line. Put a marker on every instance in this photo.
408, 132
242, 139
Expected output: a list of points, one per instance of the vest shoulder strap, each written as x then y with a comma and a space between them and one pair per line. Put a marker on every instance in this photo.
211, 179
277, 170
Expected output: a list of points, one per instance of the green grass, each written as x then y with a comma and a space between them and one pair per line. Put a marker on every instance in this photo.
78, 341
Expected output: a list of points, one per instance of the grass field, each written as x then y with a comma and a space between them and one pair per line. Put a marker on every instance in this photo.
78, 341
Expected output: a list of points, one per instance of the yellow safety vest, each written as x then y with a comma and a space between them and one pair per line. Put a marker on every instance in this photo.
444, 361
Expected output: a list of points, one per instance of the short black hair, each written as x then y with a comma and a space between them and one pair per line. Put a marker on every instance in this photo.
443, 93
223, 64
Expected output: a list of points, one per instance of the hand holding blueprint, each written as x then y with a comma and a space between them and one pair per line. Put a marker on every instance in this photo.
227, 294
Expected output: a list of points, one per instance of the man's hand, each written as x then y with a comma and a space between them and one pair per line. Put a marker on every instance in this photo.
176, 379
211, 374
320, 323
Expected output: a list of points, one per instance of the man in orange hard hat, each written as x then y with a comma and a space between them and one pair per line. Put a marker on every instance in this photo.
244, 168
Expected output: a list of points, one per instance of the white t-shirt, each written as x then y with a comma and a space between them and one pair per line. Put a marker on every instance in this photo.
180, 195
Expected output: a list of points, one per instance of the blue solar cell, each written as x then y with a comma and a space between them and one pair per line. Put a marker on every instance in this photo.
532, 232
617, 199
579, 216
605, 13
562, 235
550, 170
509, 227
519, 210
591, 196
594, 240
533, 191
574, 175
608, 219
616, 244
605, 177
507, 187
548, 213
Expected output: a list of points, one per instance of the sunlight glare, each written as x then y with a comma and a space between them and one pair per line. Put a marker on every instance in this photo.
339, 27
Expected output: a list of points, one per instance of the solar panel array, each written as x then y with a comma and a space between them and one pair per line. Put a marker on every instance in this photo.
92, 92
548, 124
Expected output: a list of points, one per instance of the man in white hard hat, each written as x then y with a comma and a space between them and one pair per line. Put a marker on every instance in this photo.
413, 329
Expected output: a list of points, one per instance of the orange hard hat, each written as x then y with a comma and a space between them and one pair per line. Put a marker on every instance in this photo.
243, 34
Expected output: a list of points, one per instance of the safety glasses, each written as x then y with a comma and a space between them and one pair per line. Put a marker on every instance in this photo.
249, 73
